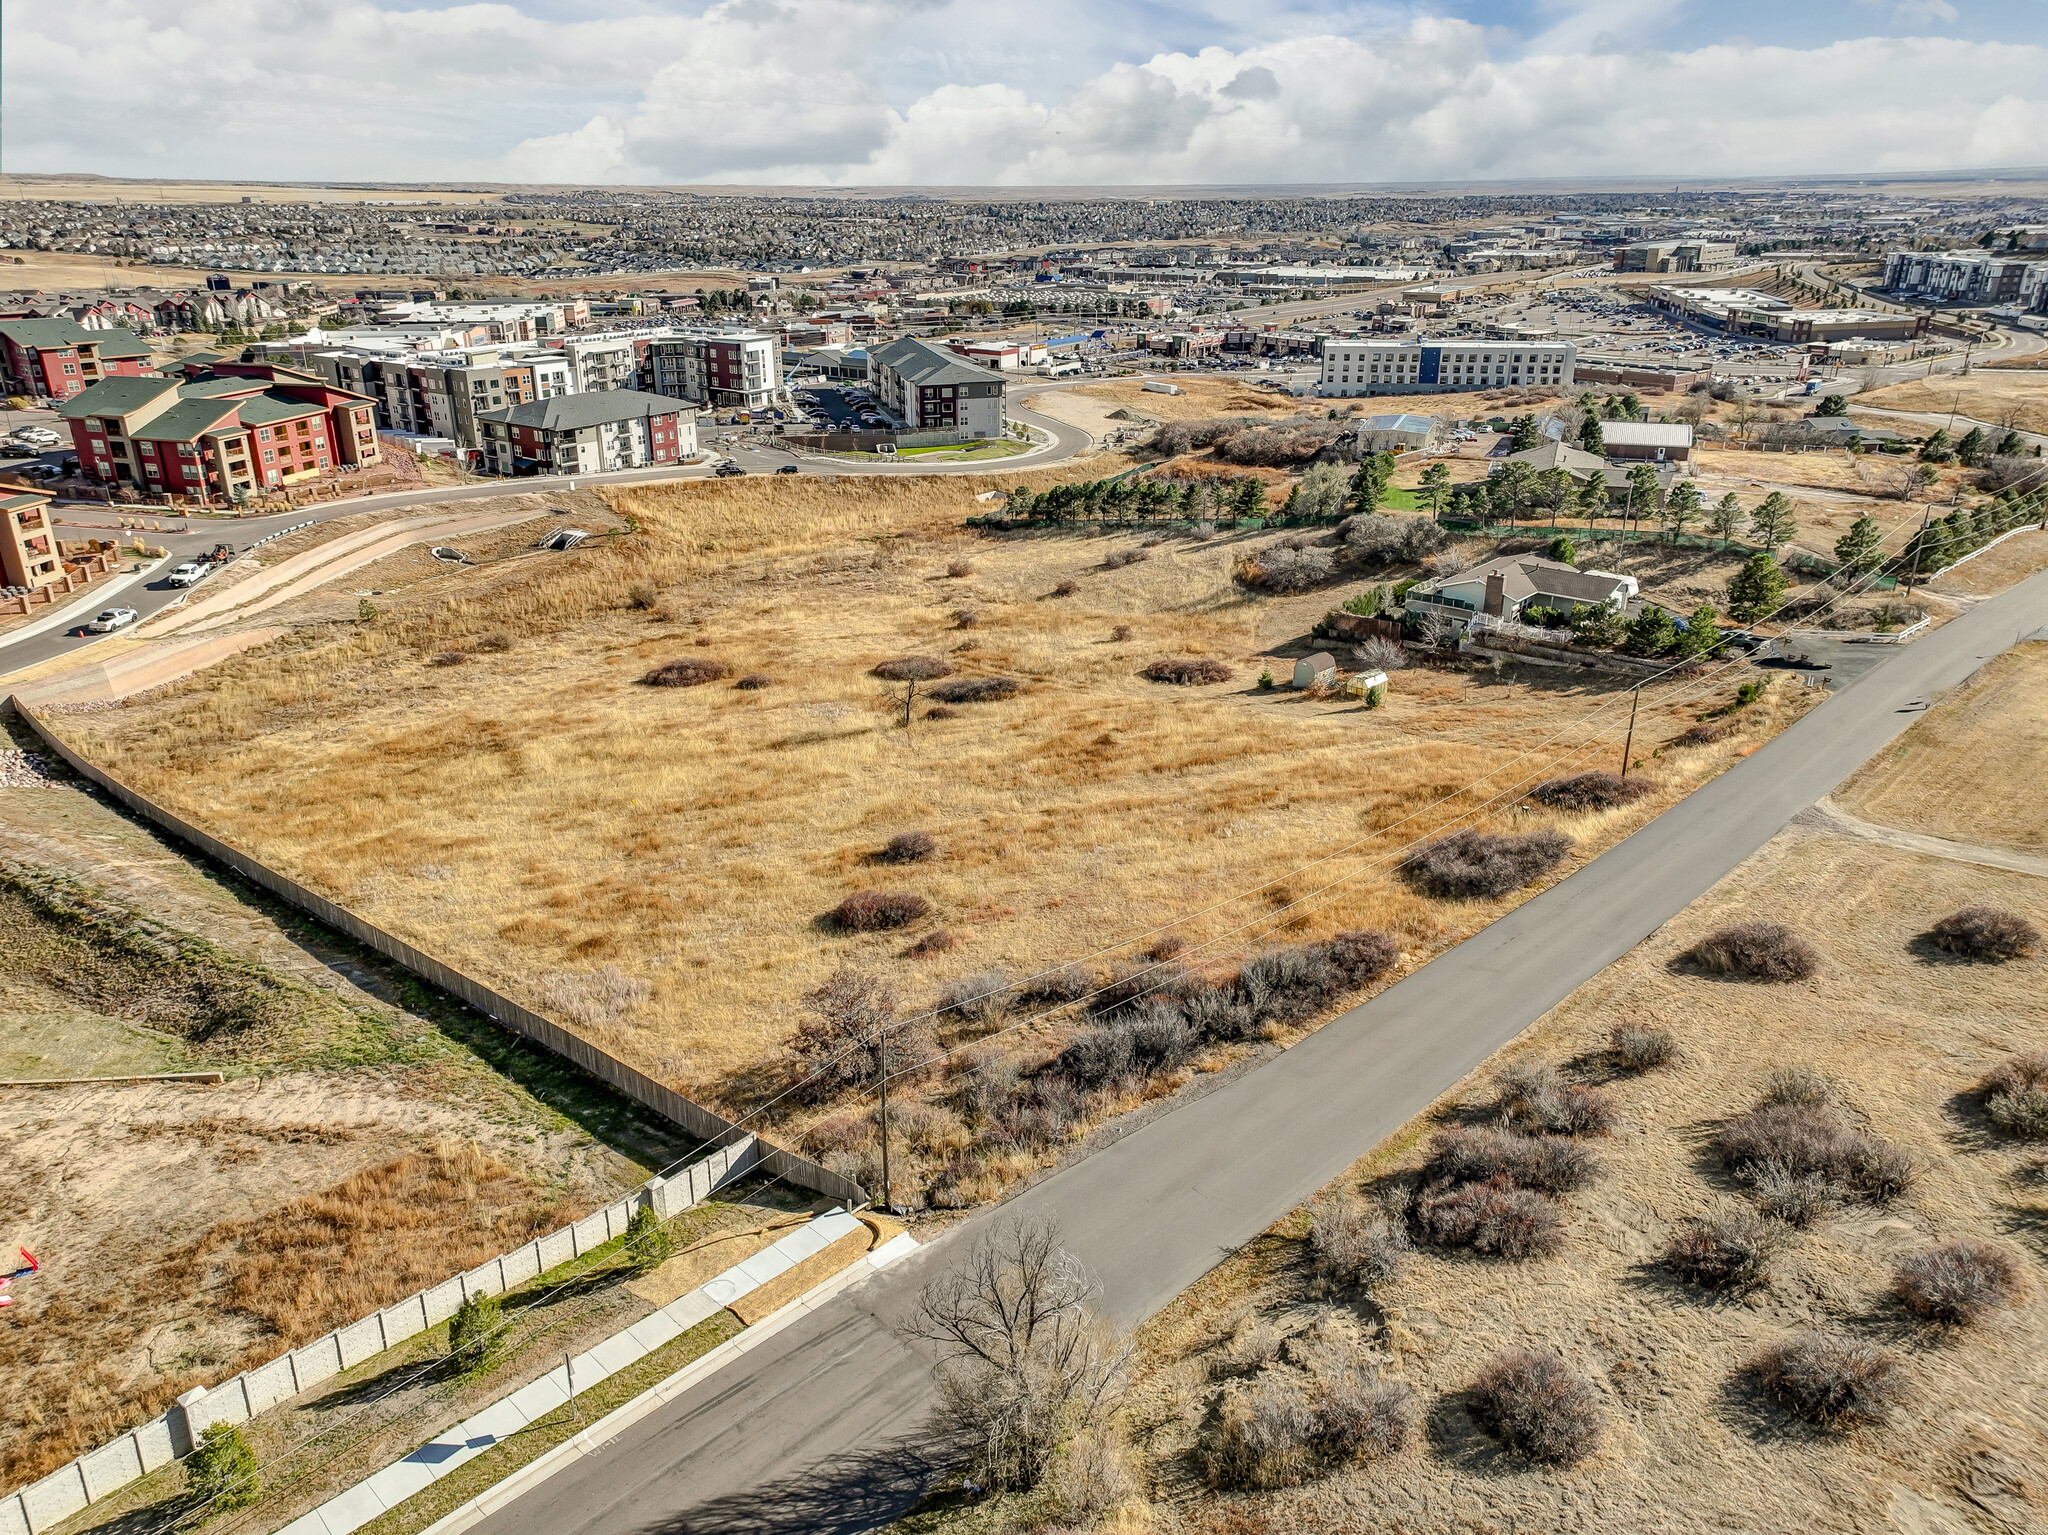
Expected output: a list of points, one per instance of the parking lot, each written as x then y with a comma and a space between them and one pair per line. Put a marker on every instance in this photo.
840, 407
35, 444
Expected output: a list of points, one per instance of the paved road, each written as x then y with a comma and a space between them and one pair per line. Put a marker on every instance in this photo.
818, 1430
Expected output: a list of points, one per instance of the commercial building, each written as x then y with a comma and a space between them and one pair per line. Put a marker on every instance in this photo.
1641, 377
231, 430
1674, 256
56, 359
1420, 366
589, 433
1397, 434
928, 389
1799, 326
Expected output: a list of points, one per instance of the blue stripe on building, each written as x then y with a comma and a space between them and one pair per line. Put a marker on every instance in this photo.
1430, 356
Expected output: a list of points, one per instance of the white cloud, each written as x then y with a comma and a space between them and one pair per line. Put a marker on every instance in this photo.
956, 92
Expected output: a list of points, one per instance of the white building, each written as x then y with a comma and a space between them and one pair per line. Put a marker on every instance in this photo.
1420, 366
598, 363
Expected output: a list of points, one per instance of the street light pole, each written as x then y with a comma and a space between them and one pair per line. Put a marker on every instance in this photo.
888, 1203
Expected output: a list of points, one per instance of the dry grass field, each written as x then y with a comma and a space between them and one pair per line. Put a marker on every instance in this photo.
1901, 1030
481, 769
2012, 398
1954, 773
1996, 569
368, 1141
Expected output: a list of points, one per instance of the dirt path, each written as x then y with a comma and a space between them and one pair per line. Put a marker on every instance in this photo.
1829, 816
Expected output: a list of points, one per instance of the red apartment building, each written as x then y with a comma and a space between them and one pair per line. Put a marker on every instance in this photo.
233, 430
56, 359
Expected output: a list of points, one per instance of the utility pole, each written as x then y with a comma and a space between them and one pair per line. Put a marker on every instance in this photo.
888, 1203
1635, 697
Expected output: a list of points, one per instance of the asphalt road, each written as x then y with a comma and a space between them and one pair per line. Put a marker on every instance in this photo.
818, 1429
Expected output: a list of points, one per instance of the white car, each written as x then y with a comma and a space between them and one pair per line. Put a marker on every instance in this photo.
42, 436
112, 619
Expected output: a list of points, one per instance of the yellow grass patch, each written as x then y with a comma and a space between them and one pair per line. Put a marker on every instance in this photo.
2016, 397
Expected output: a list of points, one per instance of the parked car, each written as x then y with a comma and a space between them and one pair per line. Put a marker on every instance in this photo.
41, 436
727, 471
112, 619
789, 469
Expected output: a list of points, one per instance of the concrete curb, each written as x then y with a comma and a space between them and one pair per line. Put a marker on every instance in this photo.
608, 1428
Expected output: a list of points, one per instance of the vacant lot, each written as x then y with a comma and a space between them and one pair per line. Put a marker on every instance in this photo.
1198, 397
2008, 399
1901, 1031
1951, 775
1995, 569
366, 1143
482, 769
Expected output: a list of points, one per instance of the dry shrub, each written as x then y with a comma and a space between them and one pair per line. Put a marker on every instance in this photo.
1253, 1344
1759, 951
1536, 1407
1477, 865
975, 690
591, 997
1359, 1416
1187, 671
937, 941
911, 669
688, 672
941, 712
874, 911
1699, 735
1069, 983
494, 644
1546, 1163
966, 618
1638, 1047
1354, 1247
1535, 1097
1282, 569
976, 999
1985, 932
2016, 1096
1064, 589
1094, 1475
1263, 1436
1798, 1084
1123, 557
449, 658
1725, 1251
1797, 1199
1495, 1217
1119, 633
1811, 1141
909, 847
1957, 1282
960, 570
1589, 791
1379, 654
1130, 983
753, 681
1167, 947
1830, 1379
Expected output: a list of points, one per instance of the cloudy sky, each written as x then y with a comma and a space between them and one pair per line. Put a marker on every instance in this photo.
997, 92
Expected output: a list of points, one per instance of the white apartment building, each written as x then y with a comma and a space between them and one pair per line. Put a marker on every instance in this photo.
598, 363
1419, 366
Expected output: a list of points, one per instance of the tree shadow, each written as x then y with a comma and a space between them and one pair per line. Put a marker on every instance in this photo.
1746, 1408
867, 1490
1450, 1430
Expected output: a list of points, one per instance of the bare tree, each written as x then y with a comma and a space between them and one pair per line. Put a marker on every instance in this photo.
1023, 1362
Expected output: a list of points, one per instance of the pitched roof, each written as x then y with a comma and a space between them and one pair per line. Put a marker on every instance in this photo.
1401, 423
572, 412
115, 396
270, 406
22, 502
1524, 576
1559, 455
919, 362
119, 343
60, 332
186, 420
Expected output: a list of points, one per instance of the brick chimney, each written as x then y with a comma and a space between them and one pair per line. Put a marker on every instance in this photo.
1496, 593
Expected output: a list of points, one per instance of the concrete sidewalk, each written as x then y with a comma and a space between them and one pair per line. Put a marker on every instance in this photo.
457, 1446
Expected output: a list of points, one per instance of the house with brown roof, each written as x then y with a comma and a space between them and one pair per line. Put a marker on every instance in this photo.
1515, 584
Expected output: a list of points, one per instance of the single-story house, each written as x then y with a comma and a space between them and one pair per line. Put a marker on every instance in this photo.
1397, 434
1318, 668
1511, 586
1661, 442
1576, 462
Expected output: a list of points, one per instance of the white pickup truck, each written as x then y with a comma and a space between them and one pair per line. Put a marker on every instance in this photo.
191, 573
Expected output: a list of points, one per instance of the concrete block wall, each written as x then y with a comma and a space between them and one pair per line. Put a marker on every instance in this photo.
175, 1434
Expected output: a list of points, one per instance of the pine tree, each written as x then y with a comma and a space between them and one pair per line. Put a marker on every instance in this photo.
1683, 506
1860, 549
221, 1473
1772, 523
1971, 450
1248, 499
1937, 449
1436, 485
2010, 446
1589, 435
1523, 435
1757, 589
1832, 405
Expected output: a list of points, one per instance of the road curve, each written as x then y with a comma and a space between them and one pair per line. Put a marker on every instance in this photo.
818, 1430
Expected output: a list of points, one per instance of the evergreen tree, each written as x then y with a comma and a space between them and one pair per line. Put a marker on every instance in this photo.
1757, 590
1369, 484
1860, 549
1642, 491
1631, 409
1592, 497
1563, 550
221, 1473
1702, 635
1972, 449
1436, 485
1589, 435
1291, 507
1522, 434
1772, 523
1511, 488
1684, 506
1832, 405
1248, 498
1937, 449
2010, 446
1650, 633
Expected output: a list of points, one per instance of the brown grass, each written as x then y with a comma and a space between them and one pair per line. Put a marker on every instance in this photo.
691, 838
1692, 1444
2015, 398
1952, 774
1199, 397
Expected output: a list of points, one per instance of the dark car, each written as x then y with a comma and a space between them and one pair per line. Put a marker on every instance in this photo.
727, 471
789, 469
